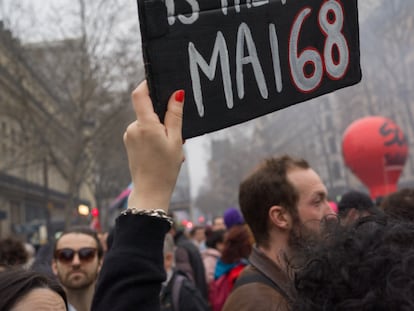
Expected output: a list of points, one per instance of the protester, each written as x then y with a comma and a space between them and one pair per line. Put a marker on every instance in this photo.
283, 201
400, 205
232, 216
218, 223
198, 236
25, 290
188, 259
354, 205
215, 245
237, 248
178, 293
133, 270
367, 266
76, 262
12, 253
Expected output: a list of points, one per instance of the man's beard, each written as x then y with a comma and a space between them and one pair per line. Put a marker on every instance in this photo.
306, 236
72, 284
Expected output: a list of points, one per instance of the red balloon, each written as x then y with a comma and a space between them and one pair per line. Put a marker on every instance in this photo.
375, 149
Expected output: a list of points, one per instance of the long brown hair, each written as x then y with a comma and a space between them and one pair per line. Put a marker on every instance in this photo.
238, 243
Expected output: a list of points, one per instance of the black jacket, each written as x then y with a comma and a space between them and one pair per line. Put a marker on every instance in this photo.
133, 269
188, 259
189, 297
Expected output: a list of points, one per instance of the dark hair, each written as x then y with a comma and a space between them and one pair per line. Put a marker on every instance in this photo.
195, 229
214, 237
400, 205
267, 186
16, 283
366, 266
238, 244
110, 239
83, 230
12, 252
357, 200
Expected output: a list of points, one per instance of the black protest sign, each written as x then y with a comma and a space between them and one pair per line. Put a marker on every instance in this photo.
243, 59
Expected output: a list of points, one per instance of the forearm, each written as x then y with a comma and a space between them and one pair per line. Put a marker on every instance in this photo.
133, 269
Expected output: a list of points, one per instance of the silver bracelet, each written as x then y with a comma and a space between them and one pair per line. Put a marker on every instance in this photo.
149, 212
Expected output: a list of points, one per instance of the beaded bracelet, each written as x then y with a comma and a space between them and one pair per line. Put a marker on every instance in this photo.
159, 213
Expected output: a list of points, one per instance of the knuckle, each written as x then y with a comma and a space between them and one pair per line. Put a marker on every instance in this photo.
136, 94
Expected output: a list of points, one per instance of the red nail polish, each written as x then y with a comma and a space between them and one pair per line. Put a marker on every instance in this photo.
179, 96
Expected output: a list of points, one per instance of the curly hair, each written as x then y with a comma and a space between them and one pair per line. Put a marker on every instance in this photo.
367, 266
238, 243
12, 252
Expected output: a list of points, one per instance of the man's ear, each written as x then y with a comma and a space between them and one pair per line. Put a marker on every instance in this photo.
54, 267
100, 262
279, 217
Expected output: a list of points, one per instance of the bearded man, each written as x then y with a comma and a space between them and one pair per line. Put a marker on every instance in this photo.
283, 201
77, 260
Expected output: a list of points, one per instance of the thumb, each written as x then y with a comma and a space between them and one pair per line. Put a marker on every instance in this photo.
173, 120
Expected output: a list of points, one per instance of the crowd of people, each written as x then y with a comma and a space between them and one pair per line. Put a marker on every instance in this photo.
286, 248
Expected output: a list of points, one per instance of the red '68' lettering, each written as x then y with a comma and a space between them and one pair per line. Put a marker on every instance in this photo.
331, 21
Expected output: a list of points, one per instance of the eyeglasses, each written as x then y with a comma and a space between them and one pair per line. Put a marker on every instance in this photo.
65, 255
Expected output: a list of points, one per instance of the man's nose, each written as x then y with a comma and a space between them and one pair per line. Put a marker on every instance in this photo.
76, 260
327, 209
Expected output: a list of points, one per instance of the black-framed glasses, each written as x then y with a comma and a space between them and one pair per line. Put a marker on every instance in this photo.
65, 255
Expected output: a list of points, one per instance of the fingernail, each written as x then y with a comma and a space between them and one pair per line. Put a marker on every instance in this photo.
179, 96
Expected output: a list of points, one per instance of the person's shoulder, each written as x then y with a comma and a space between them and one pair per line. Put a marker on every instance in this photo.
187, 285
210, 253
191, 298
257, 290
255, 296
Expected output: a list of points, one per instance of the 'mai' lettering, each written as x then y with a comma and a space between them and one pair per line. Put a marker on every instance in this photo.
197, 60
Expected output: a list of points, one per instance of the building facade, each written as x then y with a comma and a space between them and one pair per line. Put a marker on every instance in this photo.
33, 191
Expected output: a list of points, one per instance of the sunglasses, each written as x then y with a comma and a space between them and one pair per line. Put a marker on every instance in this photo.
65, 255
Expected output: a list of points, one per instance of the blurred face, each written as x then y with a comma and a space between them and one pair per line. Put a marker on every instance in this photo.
76, 262
219, 224
168, 261
40, 299
313, 205
200, 235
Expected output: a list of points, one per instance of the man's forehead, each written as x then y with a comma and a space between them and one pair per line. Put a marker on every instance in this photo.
306, 180
219, 220
75, 239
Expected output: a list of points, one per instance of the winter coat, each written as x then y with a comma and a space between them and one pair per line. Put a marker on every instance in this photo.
258, 296
210, 257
